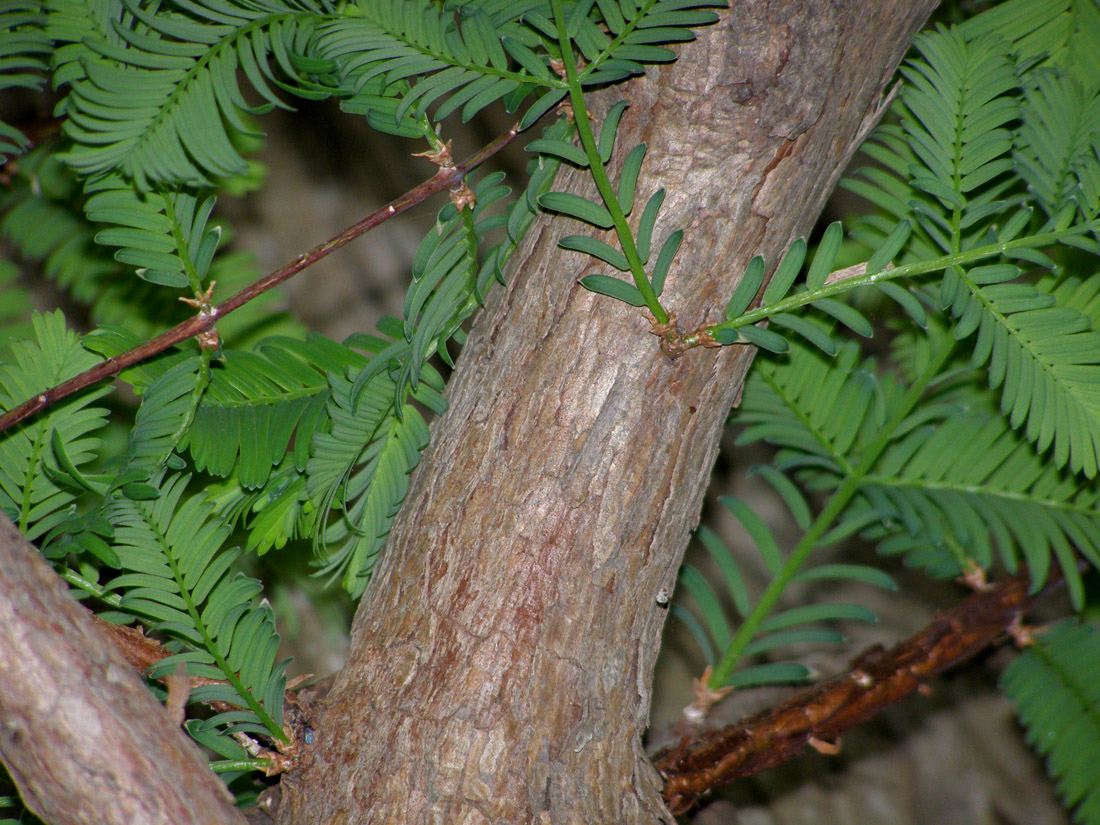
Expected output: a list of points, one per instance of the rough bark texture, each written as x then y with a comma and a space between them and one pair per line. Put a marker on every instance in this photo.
501, 660
83, 738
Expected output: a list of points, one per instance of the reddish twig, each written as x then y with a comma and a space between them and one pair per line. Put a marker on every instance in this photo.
448, 177
817, 716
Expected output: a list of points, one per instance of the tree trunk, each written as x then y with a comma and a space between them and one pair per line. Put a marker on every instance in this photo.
81, 735
502, 657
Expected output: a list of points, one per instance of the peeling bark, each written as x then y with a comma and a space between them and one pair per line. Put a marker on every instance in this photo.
502, 657
81, 735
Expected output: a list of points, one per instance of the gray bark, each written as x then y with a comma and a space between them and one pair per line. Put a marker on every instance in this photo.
502, 657
81, 735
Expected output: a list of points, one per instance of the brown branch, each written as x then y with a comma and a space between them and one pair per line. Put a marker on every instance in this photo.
448, 177
820, 714
81, 736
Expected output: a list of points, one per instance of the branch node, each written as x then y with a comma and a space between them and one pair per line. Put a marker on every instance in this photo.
441, 157
975, 578
672, 342
705, 697
208, 338
1022, 634
823, 747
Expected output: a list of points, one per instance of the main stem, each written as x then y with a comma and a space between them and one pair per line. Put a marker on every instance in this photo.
502, 656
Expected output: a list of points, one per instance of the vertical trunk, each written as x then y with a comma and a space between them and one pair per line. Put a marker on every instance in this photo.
502, 657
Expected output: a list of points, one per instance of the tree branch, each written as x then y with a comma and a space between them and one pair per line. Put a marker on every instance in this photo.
83, 739
448, 177
820, 714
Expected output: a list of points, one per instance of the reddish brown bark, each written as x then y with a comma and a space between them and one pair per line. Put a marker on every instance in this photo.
81, 735
877, 678
502, 657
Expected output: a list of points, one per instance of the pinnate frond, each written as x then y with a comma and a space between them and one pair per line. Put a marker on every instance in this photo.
1064, 34
157, 95
361, 470
1040, 351
817, 411
636, 33
43, 219
786, 292
945, 168
35, 457
798, 625
397, 59
1054, 687
361, 467
167, 407
959, 109
957, 485
448, 282
177, 576
958, 99
163, 233
451, 280
258, 400
24, 54
1058, 149
275, 512
956, 488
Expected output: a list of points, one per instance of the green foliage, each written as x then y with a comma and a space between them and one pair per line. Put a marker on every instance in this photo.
258, 401
162, 420
954, 484
1053, 685
396, 59
175, 575
164, 234
44, 219
817, 410
35, 456
638, 29
789, 627
954, 460
156, 97
23, 61
312, 439
362, 469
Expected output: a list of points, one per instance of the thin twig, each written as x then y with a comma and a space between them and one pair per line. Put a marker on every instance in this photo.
817, 716
446, 178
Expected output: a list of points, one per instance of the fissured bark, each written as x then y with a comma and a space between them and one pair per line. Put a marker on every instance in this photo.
502, 657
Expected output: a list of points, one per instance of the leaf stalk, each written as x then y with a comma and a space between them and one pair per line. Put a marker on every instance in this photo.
599, 173
832, 510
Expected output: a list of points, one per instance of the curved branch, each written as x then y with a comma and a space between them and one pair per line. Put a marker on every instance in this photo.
447, 178
818, 715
